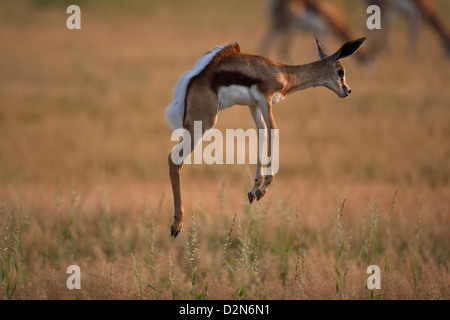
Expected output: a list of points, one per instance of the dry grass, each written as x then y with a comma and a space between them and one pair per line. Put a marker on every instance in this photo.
83, 165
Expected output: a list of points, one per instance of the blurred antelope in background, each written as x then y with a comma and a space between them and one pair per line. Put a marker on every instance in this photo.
414, 11
321, 17
224, 77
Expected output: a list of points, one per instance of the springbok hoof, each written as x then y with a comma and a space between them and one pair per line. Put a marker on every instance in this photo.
251, 197
175, 230
259, 195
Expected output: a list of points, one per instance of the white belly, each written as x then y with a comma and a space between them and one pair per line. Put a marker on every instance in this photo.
232, 95
246, 96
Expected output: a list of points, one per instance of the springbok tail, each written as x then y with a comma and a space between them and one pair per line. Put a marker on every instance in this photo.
175, 111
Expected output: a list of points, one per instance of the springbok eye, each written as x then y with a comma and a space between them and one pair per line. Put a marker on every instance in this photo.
341, 73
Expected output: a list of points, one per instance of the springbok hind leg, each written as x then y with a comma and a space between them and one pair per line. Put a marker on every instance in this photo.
176, 158
199, 103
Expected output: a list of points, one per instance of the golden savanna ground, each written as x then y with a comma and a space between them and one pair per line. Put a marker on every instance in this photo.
84, 176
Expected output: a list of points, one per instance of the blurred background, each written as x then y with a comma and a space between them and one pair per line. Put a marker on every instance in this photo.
84, 110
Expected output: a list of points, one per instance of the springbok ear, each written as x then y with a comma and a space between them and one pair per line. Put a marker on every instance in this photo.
348, 49
320, 48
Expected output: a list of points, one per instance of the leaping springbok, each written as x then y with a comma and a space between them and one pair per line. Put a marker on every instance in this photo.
224, 77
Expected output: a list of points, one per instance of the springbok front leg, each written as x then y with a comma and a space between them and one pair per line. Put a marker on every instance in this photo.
266, 111
261, 129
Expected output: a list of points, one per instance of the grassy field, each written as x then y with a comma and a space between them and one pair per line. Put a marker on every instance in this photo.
84, 176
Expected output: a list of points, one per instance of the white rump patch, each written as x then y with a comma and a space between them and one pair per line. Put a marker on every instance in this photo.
175, 112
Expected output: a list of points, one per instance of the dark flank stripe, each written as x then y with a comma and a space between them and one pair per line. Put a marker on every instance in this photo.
228, 78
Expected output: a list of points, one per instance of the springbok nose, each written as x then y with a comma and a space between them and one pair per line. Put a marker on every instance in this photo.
347, 90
